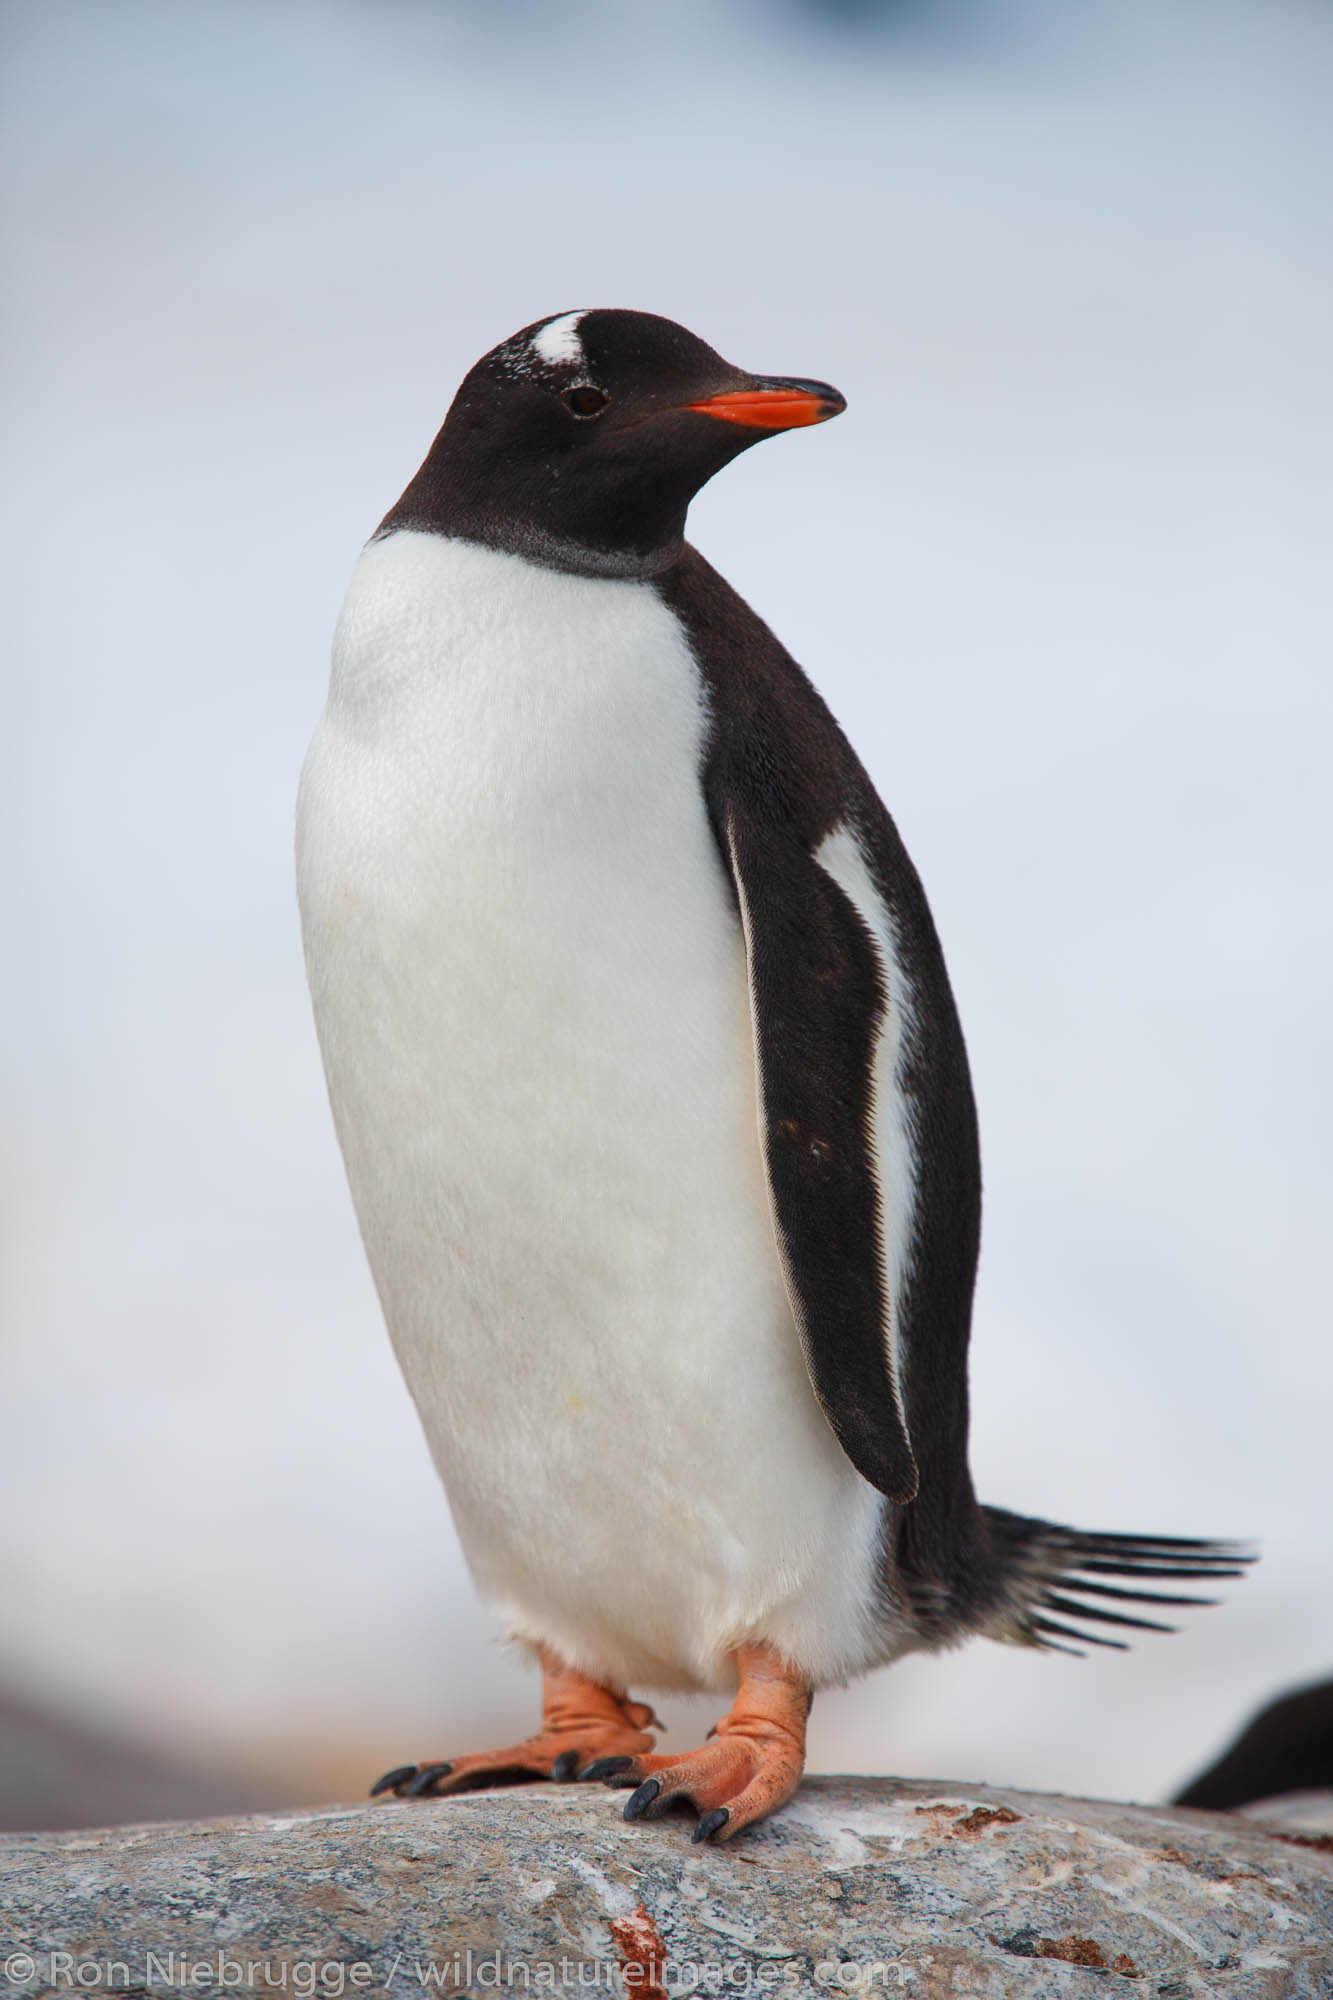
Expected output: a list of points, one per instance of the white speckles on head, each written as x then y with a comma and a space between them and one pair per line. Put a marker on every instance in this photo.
558, 344
839, 855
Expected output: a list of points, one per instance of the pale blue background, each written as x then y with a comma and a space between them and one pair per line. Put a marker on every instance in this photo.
1062, 571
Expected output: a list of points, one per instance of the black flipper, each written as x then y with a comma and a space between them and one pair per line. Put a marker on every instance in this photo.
778, 779
817, 1000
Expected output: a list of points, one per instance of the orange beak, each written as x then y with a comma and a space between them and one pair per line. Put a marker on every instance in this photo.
774, 405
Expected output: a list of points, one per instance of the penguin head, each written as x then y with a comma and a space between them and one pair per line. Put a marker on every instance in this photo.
581, 440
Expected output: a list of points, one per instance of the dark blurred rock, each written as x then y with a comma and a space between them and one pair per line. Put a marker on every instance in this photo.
60, 1771
869, 1885
1287, 1747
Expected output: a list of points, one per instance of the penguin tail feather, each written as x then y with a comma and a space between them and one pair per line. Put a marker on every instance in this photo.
1053, 1581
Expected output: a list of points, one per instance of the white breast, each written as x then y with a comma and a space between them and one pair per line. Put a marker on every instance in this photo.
529, 985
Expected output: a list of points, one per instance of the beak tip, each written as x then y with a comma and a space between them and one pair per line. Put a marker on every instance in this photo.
775, 403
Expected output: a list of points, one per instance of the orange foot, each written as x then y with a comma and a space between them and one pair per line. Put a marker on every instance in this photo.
581, 1722
752, 1766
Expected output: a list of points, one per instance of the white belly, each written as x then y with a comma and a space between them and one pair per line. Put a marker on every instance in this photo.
530, 991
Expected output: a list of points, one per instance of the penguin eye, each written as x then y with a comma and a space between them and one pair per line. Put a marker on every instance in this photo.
585, 401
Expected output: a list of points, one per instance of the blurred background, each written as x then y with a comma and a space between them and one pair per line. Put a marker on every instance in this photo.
1062, 571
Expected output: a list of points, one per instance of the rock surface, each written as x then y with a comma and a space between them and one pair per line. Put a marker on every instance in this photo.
860, 1886
1294, 1812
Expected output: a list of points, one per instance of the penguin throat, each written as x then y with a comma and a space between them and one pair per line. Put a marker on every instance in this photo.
539, 545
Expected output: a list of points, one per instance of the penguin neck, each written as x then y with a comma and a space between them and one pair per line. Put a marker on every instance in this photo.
535, 544
635, 542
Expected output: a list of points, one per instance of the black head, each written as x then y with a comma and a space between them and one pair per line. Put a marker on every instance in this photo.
582, 440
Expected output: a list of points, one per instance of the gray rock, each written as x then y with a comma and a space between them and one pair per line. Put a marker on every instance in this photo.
861, 1885
1294, 1812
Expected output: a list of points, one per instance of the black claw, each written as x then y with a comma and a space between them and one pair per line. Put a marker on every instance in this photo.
637, 1804
565, 1766
605, 1768
393, 1779
423, 1784
710, 1822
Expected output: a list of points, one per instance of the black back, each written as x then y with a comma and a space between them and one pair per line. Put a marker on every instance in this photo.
778, 765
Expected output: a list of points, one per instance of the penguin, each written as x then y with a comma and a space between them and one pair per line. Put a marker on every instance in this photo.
653, 1098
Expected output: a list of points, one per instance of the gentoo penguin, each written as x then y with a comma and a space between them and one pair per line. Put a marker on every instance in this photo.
652, 1095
